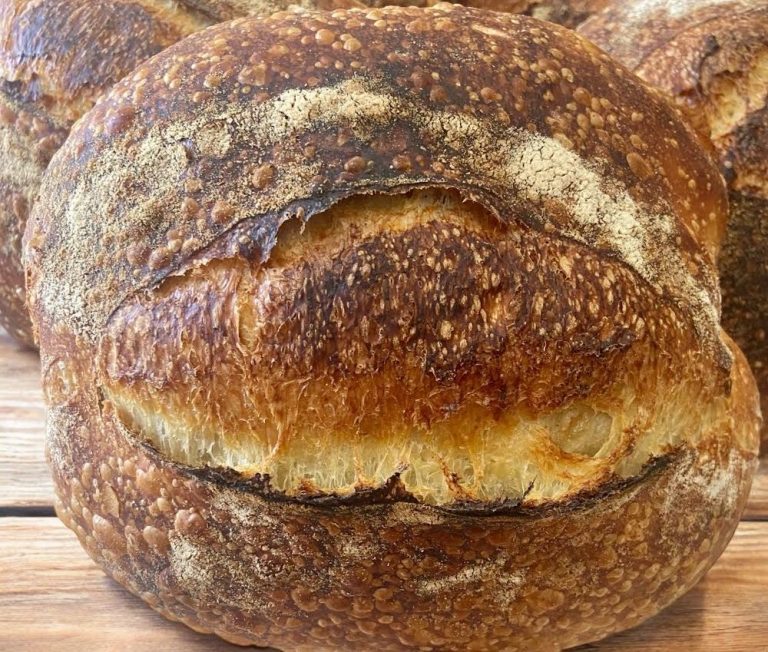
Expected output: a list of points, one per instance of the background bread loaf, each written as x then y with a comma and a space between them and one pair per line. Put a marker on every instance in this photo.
57, 57
711, 58
403, 332
564, 12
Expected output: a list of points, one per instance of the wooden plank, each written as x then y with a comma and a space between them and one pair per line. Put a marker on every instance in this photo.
53, 597
757, 507
24, 477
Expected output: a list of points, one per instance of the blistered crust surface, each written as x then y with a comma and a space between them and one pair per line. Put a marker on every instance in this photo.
182, 180
416, 333
57, 57
712, 58
249, 123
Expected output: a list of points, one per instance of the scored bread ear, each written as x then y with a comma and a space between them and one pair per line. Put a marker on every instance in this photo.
359, 325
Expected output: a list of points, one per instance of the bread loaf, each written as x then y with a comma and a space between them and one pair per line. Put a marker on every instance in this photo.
711, 58
402, 333
565, 12
57, 57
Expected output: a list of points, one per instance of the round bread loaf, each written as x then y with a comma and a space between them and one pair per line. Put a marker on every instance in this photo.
402, 332
565, 12
57, 57
712, 58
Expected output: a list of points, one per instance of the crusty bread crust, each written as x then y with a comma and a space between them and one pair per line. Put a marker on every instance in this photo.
272, 201
57, 58
712, 58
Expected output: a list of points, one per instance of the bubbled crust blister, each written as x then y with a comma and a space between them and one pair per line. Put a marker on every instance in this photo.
712, 59
192, 165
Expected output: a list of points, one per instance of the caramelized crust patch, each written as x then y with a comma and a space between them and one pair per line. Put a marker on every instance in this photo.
388, 325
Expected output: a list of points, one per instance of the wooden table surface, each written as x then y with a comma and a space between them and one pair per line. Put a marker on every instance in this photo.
53, 597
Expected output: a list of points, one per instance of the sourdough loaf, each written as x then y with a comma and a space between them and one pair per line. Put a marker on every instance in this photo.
402, 333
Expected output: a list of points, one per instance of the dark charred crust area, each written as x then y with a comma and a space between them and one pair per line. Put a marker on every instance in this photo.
744, 278
745, 163
569, 13
364, 145
394, 491
398, 328
584, 499
56, 58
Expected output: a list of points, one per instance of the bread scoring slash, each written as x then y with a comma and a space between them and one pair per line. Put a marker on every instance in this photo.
403, 333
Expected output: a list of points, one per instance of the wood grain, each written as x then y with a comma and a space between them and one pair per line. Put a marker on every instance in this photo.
53, 597
24, 478
757, 507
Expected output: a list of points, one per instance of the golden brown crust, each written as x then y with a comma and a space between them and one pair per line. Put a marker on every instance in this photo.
57, 57
354, 132
259, 189
712, 59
